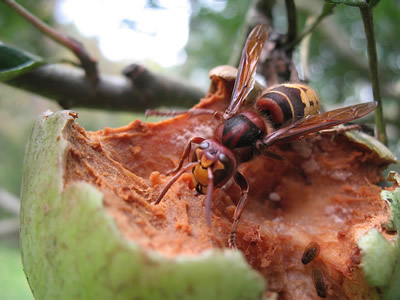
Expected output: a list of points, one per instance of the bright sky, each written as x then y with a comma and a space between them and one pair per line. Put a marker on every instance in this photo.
126, 29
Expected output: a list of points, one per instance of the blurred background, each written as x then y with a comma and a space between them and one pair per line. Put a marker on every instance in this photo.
182, 39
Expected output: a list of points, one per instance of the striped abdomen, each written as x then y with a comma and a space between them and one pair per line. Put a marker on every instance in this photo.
287, 103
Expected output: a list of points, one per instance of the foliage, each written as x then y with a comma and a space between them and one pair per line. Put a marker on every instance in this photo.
15, 106
19, 33
213, 33
16, 61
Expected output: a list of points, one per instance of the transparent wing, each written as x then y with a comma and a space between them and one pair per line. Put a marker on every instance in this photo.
319, 122
247, 68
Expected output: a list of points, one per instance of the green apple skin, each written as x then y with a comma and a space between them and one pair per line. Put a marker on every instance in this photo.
72, 248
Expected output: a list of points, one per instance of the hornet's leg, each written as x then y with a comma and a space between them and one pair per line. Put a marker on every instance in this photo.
173, 179
192, 112
166, 113
262, 149
341, 129
210, 189
244, 187
186, 152
203, 111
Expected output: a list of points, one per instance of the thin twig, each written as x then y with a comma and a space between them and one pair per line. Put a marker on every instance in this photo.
339, 42
326, 11
278, 65
88, 63
68, 87
292, 23
366, 14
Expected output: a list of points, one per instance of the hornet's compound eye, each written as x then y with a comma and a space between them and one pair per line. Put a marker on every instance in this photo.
223, 158
204, 145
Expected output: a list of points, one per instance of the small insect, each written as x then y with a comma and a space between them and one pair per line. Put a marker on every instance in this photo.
310, 253
284, 112
319, 283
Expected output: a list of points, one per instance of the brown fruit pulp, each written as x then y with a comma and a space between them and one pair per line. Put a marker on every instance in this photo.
333, 205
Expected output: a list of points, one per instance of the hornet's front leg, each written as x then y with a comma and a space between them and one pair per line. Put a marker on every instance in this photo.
244, 187
185, 154
173, 179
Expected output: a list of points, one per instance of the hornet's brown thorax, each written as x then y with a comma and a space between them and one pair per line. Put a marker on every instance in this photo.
240, 134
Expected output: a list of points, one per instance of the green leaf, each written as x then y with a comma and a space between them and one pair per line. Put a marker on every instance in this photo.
14, 62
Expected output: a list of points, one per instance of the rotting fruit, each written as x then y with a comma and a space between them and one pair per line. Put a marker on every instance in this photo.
282, 113
89, 229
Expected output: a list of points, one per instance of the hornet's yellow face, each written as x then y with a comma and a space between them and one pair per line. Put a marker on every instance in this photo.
200, 172
218, 159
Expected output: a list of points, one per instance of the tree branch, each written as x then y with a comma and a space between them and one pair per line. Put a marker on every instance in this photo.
87, 62
326, 11
340, 42
292, 24
67, 86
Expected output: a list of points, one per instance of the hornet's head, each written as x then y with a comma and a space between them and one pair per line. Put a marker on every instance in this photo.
221, 160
